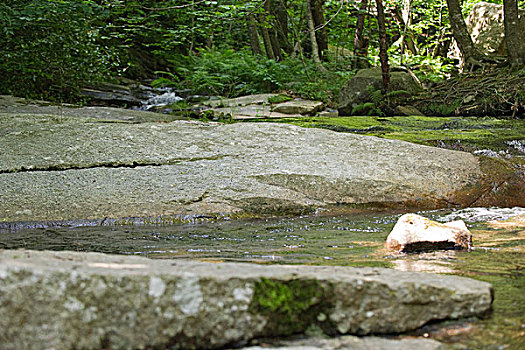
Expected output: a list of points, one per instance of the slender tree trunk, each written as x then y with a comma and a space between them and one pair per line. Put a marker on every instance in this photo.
282, 29
459, 29
406, 16
276, 46
319, 22
311, 32
360, 41
383, 45
254, 36
514, 33
265, 33
443, 43
272, 35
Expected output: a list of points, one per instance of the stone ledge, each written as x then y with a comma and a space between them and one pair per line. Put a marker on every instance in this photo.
65, 300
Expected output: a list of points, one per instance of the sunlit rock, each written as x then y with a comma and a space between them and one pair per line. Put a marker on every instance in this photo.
299, 106
517, 221
415, 233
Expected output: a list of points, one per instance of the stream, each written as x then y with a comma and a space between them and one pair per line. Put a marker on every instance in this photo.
497, 257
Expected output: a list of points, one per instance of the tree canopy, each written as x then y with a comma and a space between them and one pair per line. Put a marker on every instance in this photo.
51, 48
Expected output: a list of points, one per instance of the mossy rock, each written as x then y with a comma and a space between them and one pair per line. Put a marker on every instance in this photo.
360, 89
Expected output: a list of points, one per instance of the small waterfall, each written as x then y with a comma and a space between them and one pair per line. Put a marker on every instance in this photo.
167, 98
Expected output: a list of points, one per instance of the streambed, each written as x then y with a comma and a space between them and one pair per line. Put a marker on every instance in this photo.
498, 256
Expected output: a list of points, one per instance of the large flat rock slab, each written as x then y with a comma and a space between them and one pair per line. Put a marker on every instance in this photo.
66, 300
69, 168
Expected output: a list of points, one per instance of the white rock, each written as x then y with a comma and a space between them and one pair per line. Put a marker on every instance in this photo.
413, 233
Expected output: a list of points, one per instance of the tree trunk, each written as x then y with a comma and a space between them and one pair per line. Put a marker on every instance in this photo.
383, 45
265, 33
459, 29
514, 33
311, 32
279, 9
276, 46
406, 16
254, 36
272, 35
319, 22
360, 41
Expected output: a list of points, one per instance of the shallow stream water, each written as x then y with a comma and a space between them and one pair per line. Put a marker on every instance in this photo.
498, 256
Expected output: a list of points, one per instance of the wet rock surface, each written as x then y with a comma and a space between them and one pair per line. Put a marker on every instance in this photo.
118, 302
354, 343
61, 167
16, 105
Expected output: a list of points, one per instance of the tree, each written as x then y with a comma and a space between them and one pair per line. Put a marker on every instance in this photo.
311, 31
514, 33
406, 23
360, 41
470, 54
320, 28
268, 43
254, 36
383, 45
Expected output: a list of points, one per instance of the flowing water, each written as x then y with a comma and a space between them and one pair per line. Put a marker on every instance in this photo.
498, 256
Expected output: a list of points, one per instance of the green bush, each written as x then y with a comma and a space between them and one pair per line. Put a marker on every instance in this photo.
49, 49
232, 73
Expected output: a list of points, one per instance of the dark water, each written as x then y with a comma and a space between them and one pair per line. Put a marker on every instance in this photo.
498, 257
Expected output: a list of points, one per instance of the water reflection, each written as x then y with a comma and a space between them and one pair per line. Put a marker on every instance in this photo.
435, 262
498, 255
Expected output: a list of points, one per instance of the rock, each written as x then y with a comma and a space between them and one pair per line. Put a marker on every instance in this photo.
416, 233
329, 113
485, 25
9, 104
354, 343
255, 107
72, 168
299, 106
358, 90
517, 221
65, 300
108, 94
408, 111
255, 111
242, 101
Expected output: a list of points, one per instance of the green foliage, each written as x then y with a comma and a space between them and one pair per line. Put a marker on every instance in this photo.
232, 73
48, 48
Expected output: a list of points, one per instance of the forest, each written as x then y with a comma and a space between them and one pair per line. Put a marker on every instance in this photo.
50, 49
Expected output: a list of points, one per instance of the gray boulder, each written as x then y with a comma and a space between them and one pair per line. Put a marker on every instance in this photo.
55, 168
485, 25
360, 89
66, 300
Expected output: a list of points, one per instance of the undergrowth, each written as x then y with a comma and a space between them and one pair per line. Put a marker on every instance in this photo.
232, 73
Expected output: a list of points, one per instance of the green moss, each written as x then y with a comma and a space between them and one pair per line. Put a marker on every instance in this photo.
463, 133
291, 306
279, 99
